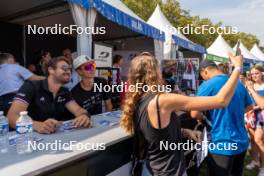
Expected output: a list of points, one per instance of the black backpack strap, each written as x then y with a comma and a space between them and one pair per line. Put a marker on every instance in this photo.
158, 110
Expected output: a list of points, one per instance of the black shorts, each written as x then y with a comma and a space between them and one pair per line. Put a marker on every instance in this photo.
225, 165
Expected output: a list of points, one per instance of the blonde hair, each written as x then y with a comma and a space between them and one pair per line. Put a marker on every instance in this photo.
143, 69
260, 68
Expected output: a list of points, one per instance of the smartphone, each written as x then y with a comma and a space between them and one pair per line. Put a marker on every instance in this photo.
238, 52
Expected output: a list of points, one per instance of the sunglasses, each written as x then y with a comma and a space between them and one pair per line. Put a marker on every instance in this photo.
89, 66
66, 67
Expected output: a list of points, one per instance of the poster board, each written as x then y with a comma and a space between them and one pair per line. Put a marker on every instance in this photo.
103, 55
183, 73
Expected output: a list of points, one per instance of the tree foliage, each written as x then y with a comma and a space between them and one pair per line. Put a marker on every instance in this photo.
180, 18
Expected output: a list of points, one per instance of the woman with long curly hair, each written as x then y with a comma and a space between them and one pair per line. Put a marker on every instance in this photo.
149, 113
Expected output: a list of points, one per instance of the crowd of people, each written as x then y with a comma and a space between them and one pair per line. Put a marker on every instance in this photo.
60, 88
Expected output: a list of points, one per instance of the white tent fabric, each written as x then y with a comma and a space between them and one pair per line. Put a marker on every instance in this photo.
121, 6
158, 49
158, 45
158, 20
83, 18
220, 48
245, 52
84, 42
257, 52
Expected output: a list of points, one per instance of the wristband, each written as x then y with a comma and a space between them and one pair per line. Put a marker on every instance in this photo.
238, 69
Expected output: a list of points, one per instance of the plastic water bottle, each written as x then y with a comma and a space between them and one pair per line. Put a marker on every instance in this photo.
24, 131
4, 129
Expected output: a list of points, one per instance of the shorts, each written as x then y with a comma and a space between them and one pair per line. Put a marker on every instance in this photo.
260, 125
146, 172
259, 118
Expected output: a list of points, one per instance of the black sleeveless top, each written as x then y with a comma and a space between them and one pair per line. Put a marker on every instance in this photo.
160, 161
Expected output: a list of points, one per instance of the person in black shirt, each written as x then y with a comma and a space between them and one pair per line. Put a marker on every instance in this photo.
149, 114
86, 93
46, 100
44, 57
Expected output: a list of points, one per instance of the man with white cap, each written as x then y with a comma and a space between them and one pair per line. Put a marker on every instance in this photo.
85, 92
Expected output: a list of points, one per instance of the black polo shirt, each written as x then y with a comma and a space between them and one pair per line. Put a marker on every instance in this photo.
42, 104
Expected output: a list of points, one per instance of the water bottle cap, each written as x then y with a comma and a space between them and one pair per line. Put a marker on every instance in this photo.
1, 113
23, 113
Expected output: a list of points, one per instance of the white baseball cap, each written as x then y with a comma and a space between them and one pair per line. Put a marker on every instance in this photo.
77, 62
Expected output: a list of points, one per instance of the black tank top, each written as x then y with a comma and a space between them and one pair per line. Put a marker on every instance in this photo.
160, 162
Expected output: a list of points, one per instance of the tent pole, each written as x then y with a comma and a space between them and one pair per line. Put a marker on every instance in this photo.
24, 44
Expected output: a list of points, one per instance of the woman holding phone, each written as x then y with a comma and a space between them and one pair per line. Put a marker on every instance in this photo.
257, 134
150, 115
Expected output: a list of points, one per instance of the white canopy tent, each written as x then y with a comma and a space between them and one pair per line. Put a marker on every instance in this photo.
257, 52
218, 51
115, 11
158, 20
220, 47
245, 52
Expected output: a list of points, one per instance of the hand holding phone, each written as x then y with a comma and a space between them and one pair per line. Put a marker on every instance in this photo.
238, 51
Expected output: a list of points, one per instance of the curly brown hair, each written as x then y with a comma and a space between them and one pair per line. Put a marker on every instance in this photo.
144, 69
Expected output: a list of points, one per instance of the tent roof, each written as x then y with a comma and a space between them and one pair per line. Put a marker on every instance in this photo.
117, 12
257, 52
245, 52
121, 6
220, 48
158, 20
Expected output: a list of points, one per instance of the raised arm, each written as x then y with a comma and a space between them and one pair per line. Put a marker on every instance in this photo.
174, 102
258, 98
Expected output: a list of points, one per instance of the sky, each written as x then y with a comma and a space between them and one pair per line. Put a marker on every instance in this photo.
246, 15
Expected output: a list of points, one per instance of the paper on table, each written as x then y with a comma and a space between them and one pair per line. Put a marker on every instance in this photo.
107, 123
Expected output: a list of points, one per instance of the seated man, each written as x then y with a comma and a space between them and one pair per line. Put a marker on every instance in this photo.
12, 76
46, 100
85, 93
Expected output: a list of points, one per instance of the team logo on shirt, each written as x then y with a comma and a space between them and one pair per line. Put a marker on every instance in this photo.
42, 99
61, 99
21, 94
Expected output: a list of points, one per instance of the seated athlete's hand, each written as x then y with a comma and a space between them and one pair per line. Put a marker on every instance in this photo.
47, 127
82, 121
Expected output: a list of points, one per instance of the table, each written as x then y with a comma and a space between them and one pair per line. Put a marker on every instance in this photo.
76, 162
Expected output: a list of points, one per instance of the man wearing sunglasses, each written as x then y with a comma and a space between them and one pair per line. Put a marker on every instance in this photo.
84, 93
46, 100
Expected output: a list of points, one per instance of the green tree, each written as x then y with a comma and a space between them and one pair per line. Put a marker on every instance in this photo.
180, 17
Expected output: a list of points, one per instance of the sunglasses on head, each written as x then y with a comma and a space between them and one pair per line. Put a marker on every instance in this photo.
89, 66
